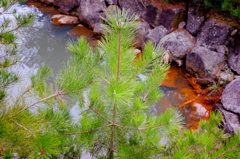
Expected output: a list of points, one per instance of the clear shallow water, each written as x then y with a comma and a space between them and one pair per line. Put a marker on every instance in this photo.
42, 43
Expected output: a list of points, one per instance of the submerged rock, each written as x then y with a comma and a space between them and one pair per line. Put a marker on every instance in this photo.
204, 64
178, 43
64, 19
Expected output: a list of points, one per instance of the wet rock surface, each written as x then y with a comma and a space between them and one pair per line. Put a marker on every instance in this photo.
204, 63
64, 19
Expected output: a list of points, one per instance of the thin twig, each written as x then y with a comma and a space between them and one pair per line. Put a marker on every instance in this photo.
51, 96
119, 55
232, 149
24, 128
132, 128
83, 73
69, 157
8, 7
89, 131
104, 79
91, 81
97, 143
97, 112
187, 102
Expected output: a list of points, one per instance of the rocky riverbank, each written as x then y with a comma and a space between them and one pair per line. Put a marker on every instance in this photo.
208, 48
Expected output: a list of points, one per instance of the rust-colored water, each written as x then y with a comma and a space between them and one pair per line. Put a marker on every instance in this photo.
180, 94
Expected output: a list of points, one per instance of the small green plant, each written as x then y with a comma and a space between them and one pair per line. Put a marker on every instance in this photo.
114, 91
230, 6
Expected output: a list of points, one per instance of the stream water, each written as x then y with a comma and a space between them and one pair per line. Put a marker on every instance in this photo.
45, 43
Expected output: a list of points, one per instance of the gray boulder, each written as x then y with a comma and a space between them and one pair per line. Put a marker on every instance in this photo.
97, 29
155, 14
134, 6
169, 18
178, 43
91, 10
156, 34
204, 64
234, 58
193, 23
231, 120
231, 96
213, 34
142, 31
195, 17
66, 5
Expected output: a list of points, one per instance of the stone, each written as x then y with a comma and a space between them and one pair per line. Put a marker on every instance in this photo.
142, 30
64, 19
179, 43
66, 5
134, 6
226, 77
156, 34
181, 25
222, 49
204, 64
170, 18
150, 15
48, 1
234, 57
194, 22
195, 17
231, 120
111, 2
97, 29
81, 30
90, 11
213, 34
231, 96
161, 13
